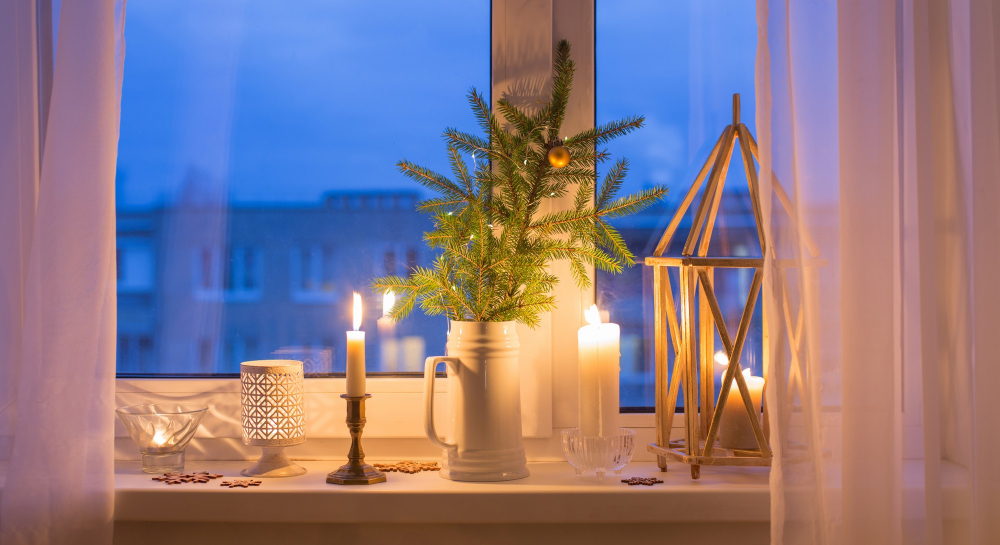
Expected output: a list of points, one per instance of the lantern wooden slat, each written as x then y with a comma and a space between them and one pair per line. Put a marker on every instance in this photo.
688, 199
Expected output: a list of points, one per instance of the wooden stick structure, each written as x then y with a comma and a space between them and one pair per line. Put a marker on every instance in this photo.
692, 335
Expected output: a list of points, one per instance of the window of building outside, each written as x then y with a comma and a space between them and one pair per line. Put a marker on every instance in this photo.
257, 186
678, 65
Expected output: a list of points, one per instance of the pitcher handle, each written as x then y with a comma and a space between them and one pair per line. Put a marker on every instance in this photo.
429, 366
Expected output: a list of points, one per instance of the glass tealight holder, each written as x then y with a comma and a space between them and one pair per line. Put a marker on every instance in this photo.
598, 454
162, 431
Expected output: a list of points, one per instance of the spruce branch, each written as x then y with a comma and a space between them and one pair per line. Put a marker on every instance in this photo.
494, 238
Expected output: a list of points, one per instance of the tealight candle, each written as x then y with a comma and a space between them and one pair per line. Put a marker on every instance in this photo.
356, 354
599, 354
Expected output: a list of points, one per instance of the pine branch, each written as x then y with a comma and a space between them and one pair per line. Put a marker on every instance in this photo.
429, 178
633, 203
495, 246
612, 183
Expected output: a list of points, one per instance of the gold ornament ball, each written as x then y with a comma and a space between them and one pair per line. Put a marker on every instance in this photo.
558, 156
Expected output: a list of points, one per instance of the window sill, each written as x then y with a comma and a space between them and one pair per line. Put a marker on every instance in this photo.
552, 494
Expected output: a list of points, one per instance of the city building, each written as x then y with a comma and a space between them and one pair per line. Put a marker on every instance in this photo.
268, 280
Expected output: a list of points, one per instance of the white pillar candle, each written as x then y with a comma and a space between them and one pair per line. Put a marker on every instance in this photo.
599, 354
388, 351
735, 430
356, 354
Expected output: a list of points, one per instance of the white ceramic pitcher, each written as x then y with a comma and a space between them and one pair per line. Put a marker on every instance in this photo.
484, 391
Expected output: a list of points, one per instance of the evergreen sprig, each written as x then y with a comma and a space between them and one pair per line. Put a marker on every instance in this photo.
495, 242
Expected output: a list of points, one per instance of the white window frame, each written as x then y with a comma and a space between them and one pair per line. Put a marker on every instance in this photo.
524, 33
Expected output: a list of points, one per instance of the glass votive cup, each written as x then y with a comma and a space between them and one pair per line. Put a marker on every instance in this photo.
162, 431
598, 454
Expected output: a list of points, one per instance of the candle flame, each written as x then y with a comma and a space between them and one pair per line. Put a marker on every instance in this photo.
746, 373
357, 311
721, 358
388, 301
592, 315
160, 438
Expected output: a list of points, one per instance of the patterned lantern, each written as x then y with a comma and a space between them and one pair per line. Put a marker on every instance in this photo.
271, 396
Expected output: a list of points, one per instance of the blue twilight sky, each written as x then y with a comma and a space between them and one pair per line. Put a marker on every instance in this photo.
273, 101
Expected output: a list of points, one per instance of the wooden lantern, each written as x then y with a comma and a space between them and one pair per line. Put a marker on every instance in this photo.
691, 335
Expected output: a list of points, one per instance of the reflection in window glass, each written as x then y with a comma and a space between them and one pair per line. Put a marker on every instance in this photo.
678, 64
256, 174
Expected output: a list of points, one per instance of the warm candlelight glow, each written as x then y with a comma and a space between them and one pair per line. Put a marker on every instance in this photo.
721, 358
735, 430
356, 354
357, 311
160, 438
388, 301
599, 352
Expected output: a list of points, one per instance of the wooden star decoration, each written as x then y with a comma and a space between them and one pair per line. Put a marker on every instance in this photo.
177, 477
408, 466
241, 483
644, 481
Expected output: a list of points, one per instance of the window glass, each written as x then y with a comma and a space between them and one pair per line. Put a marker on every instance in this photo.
256, 180
678, 64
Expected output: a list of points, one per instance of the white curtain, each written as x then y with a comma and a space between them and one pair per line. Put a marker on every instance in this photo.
57, 272
879, 121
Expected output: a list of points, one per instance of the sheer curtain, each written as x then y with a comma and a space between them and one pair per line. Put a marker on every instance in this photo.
57, 273
879, 122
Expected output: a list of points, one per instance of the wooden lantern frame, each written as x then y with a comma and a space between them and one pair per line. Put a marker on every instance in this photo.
693, 336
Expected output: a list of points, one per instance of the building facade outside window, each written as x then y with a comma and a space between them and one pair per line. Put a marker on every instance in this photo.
253, 203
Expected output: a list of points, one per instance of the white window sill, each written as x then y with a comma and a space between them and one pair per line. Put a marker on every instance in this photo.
552, 494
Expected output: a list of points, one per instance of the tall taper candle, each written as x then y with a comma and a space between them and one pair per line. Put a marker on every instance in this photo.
356, 354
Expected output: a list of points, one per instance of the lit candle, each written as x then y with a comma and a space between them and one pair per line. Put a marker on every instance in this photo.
721, 363
735, 430
388, 347
356, 354
159, 439
599, 353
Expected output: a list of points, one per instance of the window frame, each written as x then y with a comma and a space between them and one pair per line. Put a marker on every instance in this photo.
549, 376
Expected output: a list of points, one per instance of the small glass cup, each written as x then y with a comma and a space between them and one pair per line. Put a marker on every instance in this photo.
598, 454
162, 432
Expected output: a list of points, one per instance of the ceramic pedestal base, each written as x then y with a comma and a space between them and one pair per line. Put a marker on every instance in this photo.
273, 463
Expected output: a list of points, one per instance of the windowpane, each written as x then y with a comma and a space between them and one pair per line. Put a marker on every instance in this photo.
257, 186
678, 64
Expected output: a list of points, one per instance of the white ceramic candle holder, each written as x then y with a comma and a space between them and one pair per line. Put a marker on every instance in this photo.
271, 396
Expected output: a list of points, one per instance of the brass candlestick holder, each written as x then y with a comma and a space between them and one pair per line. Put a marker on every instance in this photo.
356, 471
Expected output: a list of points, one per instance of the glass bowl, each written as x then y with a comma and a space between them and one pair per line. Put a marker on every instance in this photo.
598, 454
162, 432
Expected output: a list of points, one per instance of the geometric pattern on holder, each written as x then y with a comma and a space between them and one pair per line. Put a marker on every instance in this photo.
272, 405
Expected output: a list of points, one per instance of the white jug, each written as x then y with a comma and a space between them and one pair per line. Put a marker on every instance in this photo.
484, 391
